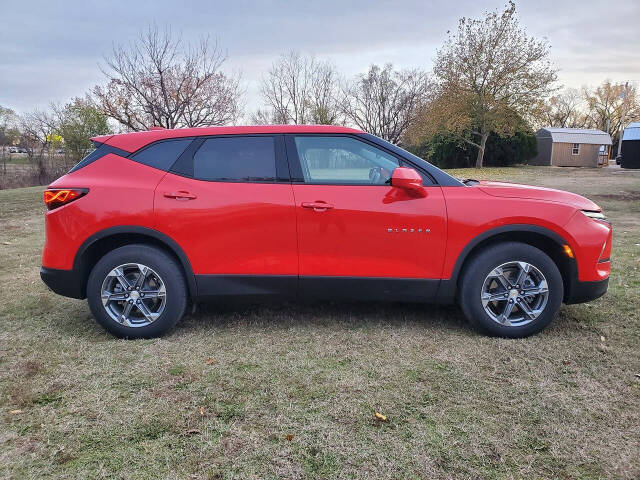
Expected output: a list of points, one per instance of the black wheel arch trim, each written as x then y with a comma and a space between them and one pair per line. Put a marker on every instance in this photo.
448, 287
167, 241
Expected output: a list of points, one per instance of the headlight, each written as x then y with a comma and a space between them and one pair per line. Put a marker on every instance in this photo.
594, 215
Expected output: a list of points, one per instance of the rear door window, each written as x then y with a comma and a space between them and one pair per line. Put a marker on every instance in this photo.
162, 154
236, 159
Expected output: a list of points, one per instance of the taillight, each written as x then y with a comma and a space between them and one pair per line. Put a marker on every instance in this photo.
56, 197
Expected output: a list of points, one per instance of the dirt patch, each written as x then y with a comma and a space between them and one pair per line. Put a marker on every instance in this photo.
30, 368
632, 196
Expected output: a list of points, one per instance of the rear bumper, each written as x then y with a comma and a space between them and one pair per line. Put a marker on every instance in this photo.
582, 292
63, 282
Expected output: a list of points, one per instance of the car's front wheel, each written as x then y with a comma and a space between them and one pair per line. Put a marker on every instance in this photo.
137, 291
511, 290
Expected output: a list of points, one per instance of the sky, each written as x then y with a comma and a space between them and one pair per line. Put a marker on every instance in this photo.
52, 51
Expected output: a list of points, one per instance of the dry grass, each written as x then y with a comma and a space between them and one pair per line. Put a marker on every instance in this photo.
221, 396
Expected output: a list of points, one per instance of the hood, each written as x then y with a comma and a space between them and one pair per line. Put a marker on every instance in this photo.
516, 190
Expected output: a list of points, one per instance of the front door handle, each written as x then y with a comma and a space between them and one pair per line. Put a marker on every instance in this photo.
318, 206
181, 195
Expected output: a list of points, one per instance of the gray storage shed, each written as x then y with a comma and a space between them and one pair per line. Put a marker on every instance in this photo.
572, 147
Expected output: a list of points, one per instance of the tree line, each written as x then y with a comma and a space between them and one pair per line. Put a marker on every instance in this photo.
491, 86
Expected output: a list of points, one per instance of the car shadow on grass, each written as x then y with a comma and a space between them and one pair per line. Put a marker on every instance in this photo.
77, 321
343, 314
213, 317
210, 316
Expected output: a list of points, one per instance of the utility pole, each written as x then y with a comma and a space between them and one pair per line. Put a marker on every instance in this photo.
624, 112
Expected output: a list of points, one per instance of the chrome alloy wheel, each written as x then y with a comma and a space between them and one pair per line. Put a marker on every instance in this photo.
133, 295
514, 294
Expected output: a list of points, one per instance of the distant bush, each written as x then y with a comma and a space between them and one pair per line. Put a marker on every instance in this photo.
449, 151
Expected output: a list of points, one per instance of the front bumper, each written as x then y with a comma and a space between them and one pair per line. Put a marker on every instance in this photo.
581, 292
63, 282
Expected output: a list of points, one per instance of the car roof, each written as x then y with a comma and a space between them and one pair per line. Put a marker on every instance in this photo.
133, 141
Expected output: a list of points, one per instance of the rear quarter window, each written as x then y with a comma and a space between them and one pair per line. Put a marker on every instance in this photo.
100, 151
236, 159
162, 154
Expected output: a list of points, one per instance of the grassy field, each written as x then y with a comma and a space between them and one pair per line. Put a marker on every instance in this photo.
290, 391
17, 158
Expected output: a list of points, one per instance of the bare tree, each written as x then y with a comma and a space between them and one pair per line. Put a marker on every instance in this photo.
38, 133
384, 101
161, 81
267, 117
300, 90
490, 76
564, 110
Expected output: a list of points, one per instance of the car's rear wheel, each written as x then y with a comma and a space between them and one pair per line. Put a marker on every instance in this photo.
137, 291
511, 290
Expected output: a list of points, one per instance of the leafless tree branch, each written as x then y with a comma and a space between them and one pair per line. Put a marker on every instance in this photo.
383, 101
161, 81
300, 90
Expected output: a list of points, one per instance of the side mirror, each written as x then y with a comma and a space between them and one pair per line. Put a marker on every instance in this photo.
407, 178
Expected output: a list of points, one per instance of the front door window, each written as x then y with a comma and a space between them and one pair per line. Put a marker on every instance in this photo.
343, 160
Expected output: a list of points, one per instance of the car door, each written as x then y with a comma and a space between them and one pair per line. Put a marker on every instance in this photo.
228, 202
358, 235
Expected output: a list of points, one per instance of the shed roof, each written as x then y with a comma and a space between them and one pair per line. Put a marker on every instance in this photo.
632, 132
575, 135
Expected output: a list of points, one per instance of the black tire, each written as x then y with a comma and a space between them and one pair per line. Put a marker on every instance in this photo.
482, 264
161, 263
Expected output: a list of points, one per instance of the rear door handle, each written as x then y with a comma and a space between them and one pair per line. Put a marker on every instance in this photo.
181, 195
318, 206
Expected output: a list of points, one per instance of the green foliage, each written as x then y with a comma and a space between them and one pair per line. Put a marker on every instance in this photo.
176, 370
518, 148
447, 150
9, 134
77, 122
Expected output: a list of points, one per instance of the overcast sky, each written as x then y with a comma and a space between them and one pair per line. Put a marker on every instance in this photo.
50, 51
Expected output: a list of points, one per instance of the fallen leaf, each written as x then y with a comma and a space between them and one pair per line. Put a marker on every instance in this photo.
381, 417
210, 361
6, 243
566, 362
603, 348
202, 411
15, 412
289, 436
602, 339
638, 375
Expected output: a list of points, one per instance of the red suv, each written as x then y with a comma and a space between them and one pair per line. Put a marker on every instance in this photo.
152, 219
